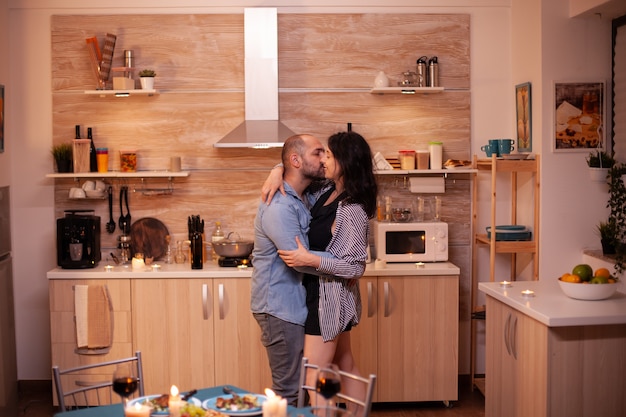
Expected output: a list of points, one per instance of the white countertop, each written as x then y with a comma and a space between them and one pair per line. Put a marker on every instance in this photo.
553, 308
212, 270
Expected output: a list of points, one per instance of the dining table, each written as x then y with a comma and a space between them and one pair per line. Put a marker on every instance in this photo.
117, 410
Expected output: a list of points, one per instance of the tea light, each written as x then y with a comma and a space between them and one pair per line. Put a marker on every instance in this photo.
137, 410
108, 268
274, 405
419, 265
505, 284
174, 402
528, 293
156, 267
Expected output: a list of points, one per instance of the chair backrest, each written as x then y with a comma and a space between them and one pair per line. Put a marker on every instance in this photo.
364, 404
84, 394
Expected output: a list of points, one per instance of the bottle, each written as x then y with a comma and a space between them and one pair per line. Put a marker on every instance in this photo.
196, 250
217, 235
168, 251
93, 159
77, 132
433, 72
421, 72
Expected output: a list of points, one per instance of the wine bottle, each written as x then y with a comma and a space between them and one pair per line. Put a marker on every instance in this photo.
196, 250
93, 159
77, 132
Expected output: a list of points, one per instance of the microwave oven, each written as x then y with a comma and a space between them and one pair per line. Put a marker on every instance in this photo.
411, 242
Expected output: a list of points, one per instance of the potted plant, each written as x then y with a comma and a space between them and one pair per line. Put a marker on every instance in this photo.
607, 231
146, 78
62, 155
617, 215
599, 163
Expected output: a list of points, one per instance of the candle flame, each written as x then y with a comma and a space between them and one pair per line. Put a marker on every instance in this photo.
174, 391
269, 393
138, 406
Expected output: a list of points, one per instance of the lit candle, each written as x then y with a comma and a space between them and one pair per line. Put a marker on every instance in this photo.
108, 268
505, 284
138, 263
528, 293
174, 402
156, 267
274, 405
137, 410
419, 264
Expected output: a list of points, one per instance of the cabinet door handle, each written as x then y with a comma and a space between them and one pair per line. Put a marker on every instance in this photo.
507, 329
220, 291
386, 292
514, 338
370, 304
205, 301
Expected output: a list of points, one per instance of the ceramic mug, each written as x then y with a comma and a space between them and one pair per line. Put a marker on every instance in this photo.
505, 146
492, 148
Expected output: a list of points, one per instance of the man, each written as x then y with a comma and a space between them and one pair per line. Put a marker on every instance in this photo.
278, 300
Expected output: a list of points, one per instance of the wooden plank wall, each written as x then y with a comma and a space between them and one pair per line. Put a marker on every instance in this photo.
327, 64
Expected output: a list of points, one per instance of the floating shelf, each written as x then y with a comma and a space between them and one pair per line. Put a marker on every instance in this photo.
425, 171
406, 90
118, 174
122, 93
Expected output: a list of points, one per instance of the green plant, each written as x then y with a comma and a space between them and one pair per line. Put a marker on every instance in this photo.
617, 215
147, 73
600, 159
607, 230
62, 151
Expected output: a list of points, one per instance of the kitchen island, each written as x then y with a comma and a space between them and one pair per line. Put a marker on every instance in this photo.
550, 355
194, 327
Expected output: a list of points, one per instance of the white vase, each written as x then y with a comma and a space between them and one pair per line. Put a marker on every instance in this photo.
147, 83
598, 174
381, 80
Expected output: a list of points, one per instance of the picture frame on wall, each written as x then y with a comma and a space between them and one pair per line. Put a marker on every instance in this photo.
578, 116
1, 118
523, 109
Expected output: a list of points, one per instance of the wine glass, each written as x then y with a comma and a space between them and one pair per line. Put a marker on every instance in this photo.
328, 382
125, 381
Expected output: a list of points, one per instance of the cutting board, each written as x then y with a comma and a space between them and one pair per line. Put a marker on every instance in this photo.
148, 236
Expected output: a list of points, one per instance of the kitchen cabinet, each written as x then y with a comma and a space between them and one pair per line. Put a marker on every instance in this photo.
537, 370
198, 333
408, 337
63, 329
496, 167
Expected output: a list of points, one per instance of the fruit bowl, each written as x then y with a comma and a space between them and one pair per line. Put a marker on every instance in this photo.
591, 292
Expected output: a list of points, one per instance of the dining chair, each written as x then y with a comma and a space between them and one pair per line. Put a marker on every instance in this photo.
364, 404
91, 393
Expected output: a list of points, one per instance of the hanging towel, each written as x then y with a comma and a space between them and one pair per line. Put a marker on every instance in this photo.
92, 309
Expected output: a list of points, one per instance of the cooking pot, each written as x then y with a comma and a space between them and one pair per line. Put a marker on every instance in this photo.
233, 248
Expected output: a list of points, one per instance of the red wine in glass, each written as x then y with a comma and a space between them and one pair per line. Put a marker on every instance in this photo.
125, 381
328, 382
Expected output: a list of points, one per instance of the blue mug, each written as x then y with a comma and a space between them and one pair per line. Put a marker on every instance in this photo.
492, 148
505, 146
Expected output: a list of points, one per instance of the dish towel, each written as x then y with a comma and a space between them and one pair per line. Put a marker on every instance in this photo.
92, 311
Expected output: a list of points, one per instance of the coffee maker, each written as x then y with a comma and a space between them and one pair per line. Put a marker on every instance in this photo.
78, 240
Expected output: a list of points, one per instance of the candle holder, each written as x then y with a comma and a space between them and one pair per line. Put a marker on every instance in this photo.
506, 284
528, 293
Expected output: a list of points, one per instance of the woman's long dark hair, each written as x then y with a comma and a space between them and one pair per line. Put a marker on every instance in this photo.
354, 157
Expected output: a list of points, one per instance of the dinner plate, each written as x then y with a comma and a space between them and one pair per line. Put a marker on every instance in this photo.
515, 156
210, 405
191, 400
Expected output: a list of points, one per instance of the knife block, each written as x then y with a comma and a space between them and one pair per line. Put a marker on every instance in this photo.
80, 150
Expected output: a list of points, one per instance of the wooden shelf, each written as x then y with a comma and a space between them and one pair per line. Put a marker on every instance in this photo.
122, 93
406, 90
507, 246
118, 174
425, 171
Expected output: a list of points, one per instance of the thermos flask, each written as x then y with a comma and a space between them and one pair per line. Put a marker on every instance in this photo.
433, 72
421, 72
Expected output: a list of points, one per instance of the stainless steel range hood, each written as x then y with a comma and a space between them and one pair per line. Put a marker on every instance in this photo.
261, 128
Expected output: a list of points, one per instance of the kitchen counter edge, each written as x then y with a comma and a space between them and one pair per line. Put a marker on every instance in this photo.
550, 306
214, 271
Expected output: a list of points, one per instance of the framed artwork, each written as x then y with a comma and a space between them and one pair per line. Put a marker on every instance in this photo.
524, 117
578, 116
1, 118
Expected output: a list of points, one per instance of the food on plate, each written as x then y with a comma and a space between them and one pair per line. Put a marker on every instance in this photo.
237, 402
456, 163
190, 410
212, 413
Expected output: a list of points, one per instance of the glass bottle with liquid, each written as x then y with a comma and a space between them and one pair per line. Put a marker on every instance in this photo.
180, 257
218, 234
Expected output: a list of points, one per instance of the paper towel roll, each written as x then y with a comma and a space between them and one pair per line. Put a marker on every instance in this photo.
421, 185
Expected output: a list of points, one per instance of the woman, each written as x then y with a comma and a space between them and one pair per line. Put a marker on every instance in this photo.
338, 238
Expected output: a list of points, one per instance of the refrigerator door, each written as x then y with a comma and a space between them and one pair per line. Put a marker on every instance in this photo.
5, 222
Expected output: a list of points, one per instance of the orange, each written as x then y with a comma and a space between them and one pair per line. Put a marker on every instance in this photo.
602, 272
571, 278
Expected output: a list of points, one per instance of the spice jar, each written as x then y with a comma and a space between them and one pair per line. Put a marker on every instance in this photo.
407, 159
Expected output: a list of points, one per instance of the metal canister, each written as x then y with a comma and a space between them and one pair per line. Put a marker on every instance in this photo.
433, 72
421, 71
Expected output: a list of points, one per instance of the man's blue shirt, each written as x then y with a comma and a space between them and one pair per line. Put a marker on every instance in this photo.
276, 288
